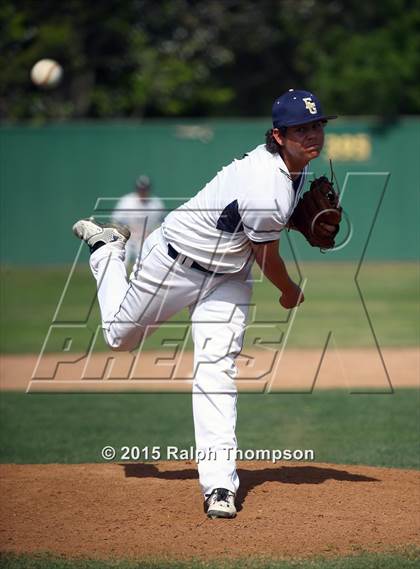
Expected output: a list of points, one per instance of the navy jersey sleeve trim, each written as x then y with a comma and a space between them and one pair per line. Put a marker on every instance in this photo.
230, 219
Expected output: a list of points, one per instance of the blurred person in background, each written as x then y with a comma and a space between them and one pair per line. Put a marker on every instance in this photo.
141, 212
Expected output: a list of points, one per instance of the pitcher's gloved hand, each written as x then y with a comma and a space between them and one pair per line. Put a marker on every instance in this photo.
317, 214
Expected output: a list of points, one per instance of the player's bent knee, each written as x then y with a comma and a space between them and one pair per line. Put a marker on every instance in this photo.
218, 377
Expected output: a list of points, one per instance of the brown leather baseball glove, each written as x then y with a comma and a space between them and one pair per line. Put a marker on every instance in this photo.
317, 214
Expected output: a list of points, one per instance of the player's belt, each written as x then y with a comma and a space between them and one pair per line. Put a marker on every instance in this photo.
173, 253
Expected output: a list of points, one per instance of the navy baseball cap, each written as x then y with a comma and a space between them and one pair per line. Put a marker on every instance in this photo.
297, 107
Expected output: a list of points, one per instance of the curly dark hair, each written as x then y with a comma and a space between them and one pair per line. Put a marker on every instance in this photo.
270, 142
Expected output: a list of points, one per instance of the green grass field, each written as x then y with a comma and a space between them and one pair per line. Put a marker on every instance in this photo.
366, 429
364, 561
374, 429
29, 299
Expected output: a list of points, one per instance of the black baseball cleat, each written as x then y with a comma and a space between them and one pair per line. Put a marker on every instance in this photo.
221, 504
96, 234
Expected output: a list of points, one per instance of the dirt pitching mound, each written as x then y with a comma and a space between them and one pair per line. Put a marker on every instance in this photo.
155, 510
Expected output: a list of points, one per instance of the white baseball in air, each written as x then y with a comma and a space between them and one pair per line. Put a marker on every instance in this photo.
46, 73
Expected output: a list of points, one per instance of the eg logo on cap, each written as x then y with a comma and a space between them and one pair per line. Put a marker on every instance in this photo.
297, 107
310, 105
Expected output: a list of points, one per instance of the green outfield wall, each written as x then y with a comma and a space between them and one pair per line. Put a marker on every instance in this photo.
52, 175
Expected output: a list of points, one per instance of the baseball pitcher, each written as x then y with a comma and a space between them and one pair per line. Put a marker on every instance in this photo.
201, 257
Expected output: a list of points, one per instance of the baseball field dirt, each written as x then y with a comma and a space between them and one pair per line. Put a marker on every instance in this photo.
154, 510
296, 369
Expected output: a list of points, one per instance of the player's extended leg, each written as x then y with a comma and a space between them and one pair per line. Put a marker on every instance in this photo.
133, 309
158, 288
218, 323
107, 244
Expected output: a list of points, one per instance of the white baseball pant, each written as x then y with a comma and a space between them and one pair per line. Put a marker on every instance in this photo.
158, 288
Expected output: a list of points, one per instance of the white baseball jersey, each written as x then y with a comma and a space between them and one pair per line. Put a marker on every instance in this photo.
135, 212
251, 199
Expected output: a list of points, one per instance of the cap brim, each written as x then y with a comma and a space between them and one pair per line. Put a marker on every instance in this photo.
308, 120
